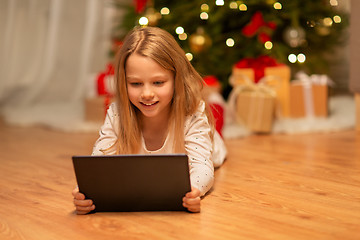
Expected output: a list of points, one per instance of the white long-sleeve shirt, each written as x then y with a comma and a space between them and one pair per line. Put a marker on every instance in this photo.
203, 154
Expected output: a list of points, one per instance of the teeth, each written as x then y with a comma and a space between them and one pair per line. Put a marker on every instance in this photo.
148, 104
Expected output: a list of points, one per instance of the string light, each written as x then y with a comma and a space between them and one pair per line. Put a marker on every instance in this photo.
204, 16
311, 23
183, 36
268, 45
165, 11
189, 56
204, 7
233, 5
243, 7
219, 2
328, 21
277, 6
292, 58
230, 42
333, 3
179, 30
301, 57
143, 21
337, 19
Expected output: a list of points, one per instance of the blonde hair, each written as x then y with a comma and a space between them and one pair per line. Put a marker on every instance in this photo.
161, 47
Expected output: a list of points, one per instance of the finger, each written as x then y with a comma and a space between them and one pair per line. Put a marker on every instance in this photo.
81, 212
85, 209
76, 190
194, 193
190, 208
79, 196
194, 210
83, 203
192, 201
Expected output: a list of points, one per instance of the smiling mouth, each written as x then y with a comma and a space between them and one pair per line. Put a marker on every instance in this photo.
149, 104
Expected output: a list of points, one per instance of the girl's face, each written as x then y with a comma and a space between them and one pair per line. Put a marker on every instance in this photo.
150, 87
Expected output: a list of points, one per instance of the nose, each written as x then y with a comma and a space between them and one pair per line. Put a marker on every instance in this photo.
147, 93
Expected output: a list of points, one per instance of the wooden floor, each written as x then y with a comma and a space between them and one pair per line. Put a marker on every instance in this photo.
271, 187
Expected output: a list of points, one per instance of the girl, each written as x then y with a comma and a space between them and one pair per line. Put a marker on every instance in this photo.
159, 109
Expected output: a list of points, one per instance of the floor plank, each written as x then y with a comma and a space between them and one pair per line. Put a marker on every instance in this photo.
271, 187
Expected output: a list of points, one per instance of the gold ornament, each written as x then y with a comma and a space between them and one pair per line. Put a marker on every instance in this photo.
199, 41
153, 16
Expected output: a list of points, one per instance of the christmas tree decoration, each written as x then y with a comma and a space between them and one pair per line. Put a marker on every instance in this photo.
165, 11
295, 36
277, 6
199, 41
258, 26
243, 7
233, 30
324, 26
153, 16
140, 5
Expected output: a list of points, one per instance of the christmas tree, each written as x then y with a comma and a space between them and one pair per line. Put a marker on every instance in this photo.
216, 34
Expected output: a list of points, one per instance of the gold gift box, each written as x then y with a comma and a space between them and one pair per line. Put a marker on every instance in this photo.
96, 107
318, 98
277, 77
255, 110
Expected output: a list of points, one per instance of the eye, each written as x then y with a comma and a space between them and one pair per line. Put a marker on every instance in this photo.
159, 83
135, 84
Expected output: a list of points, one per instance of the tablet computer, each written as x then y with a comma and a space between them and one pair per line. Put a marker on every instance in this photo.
134, 182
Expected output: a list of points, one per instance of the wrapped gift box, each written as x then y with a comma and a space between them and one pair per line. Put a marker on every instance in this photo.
308, 100
309, 96
96, 107
272, 73
255, 110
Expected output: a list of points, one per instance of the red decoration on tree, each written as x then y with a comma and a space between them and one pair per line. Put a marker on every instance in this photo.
258, 26
140, 5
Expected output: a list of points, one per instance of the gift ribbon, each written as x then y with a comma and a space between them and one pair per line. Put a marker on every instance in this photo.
261, 86
307, 81
258, 65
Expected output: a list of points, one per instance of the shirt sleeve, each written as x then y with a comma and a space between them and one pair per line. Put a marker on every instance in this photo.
107, 134
198, 145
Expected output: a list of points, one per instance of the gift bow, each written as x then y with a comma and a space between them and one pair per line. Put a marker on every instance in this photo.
320, 79
258, 65
307, 82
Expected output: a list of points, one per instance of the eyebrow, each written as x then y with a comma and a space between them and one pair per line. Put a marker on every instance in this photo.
161, 76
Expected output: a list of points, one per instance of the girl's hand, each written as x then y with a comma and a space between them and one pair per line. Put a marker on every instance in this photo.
192, 200
83, 206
